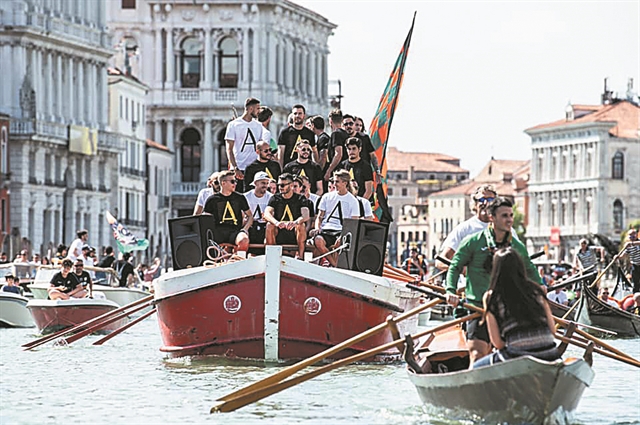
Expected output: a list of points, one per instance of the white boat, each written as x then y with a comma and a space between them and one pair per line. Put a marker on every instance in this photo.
13, 311
120, 295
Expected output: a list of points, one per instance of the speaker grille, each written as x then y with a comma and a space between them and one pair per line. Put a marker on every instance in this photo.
368, 258
188, 253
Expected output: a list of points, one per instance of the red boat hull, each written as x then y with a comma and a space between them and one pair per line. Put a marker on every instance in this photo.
227, 318
53, 316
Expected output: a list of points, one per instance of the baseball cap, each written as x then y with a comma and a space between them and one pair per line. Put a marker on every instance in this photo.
260, 175
85, 246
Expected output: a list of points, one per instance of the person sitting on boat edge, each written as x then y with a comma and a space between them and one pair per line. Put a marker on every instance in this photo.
634, 305
476, 253
81, 274
11, 285
558, 296
517, 315
64, 284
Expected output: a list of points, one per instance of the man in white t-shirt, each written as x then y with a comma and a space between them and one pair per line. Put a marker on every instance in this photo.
213, 186
258, 199
558, 296
241, 138
264, 117
334, 207
75, 249
482, 197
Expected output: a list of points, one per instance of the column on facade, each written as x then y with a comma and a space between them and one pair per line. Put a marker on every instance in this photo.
289, 64
157, 132
319, 79
206, 167
81, 87
206, 75
17, 54
158, 57
216, 63
271, 58
70, 93
296, 67
104, 113
304, 60
312, 73
325, 73
281, 61
37, 80
245, 58
59, 100
171, 60
170, 135
49, 76
256, 58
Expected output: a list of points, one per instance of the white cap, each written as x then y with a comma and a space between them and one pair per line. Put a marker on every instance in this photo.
260, 175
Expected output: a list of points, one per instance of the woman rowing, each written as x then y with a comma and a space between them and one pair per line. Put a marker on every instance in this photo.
518, 317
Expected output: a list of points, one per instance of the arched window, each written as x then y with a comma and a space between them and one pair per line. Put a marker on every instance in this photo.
229, 63
191, 50
618, 215
617, 166
190, 154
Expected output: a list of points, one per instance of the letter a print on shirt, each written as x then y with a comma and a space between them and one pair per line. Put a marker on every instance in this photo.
287, 214
231, 215
338, 217
295, 147
257, 214
247, 142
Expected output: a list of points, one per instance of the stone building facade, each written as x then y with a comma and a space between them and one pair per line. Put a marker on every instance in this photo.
203, 59
63, 161
585, 174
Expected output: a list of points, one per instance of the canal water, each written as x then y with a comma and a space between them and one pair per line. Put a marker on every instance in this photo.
129, 381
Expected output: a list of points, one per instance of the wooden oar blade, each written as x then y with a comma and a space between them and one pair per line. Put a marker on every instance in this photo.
125, 327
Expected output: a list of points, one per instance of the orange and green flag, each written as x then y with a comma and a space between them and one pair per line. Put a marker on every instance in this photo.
381, 125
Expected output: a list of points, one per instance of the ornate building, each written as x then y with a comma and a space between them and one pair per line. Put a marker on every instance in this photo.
585, 176
203, 59
63, 161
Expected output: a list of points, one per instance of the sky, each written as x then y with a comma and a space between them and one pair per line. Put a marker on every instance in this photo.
479, 73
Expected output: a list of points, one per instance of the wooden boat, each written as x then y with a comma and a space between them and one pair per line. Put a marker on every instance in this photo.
54, 315
594, 312
275, 308
559, 310
522, 390
13, 311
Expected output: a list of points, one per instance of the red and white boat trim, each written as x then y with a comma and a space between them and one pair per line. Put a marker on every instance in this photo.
274, 308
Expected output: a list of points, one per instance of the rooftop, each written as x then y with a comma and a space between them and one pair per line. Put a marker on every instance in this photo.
422, 161
624, 114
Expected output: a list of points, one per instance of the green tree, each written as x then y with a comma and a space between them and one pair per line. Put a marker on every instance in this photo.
518, 225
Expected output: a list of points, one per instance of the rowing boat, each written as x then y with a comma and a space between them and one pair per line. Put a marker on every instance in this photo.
522, 390
594, 312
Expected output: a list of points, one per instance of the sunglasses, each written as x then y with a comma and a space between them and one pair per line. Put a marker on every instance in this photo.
483, 200
305, 150
233, 181
283, 184
347, 123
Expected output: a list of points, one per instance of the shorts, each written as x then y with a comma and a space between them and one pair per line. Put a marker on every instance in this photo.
257, 233
330, 236
286, 237
225, 234
477, 331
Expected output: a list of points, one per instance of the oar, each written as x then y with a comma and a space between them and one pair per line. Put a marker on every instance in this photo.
73, 338
285, 373
443, 297
618, 255
232, 402
625, 359
571, 280
125, 327
558, 321
45, 339
595, 328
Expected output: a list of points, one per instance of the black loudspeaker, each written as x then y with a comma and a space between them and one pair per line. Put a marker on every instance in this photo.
190, 238
367, 246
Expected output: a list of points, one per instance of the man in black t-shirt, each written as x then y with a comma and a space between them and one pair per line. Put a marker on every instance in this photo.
359, 170
291, 136
323, 140
81, 274
303, 166
337, 151
286, 216
231, 212
355, 130
263, 163
64, 284
124, 270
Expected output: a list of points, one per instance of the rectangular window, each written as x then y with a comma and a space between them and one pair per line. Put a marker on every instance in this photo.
128, 4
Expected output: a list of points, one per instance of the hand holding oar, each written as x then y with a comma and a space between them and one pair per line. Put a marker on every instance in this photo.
277, 377
618, 255
45, 339
237, 400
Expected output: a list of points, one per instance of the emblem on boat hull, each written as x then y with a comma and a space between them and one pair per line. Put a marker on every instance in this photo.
232, 304
312, 306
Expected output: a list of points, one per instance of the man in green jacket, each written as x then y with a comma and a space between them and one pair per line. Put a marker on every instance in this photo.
476, 254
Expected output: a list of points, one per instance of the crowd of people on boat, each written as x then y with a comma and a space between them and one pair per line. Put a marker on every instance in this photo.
295, 191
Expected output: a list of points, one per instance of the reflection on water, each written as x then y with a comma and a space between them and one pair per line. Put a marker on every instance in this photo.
128, 380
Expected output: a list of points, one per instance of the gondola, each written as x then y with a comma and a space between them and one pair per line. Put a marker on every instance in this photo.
522, 390
594, 312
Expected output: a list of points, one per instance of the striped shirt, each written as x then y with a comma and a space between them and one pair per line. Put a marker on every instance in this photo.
587, 258
634, 254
